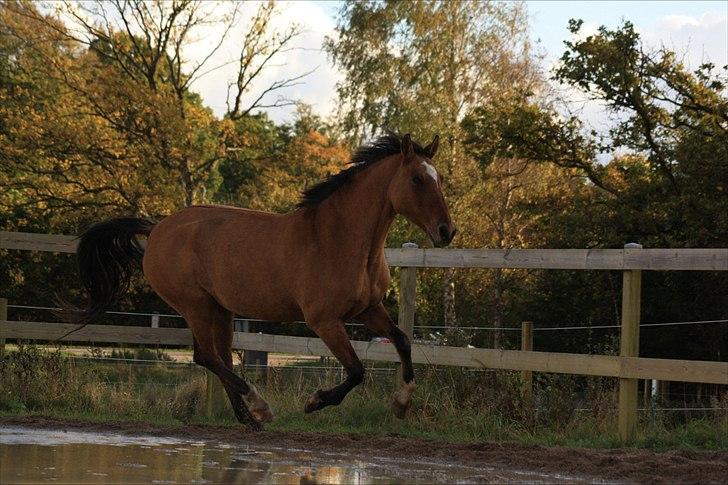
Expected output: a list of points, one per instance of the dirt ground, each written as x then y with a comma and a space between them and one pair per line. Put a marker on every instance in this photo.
622, 465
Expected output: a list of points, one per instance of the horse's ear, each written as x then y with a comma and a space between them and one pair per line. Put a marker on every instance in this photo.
408, 151
431, 149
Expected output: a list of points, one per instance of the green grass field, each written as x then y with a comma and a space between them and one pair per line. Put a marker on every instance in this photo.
450, 404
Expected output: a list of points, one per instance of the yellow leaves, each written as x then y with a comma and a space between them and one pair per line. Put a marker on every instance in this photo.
306, 159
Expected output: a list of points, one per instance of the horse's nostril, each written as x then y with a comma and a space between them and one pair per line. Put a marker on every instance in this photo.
445, 233
452, 234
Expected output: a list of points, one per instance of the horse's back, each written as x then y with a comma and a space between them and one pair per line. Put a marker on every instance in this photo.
236, 256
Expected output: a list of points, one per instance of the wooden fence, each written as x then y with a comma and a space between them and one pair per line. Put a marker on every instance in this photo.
627, 367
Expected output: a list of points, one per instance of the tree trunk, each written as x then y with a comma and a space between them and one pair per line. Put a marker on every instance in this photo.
188, 183
448, 297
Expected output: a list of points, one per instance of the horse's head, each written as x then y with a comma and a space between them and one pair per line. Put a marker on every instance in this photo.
416, 192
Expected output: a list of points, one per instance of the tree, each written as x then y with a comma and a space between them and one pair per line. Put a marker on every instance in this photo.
282, 161
661, 102
665, 185
55, 159
523, 128
124, 71
419, 67
672, 129
253, 142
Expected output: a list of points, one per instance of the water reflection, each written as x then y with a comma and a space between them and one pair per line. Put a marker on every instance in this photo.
29, 455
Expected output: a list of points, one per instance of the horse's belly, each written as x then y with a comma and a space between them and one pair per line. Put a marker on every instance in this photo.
260, 304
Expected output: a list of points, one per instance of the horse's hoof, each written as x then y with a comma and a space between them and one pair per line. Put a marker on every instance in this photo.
402, 399
313, 403
400, 409
254, 425
263, 415
248, 420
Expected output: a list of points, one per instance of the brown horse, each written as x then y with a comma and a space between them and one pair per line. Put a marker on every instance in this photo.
323, 263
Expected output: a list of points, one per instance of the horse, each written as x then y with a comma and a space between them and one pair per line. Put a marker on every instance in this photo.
322, 263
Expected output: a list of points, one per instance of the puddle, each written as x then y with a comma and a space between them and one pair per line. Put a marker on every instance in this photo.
30, 455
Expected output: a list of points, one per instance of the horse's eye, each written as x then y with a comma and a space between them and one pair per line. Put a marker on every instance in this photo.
417, 180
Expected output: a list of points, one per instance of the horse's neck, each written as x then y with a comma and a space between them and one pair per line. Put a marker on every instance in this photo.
363, 212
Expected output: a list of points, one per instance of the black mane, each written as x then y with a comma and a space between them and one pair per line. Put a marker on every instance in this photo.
366, 156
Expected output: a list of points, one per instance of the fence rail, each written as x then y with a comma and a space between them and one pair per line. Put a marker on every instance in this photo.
585, 259
628, 366
562, 363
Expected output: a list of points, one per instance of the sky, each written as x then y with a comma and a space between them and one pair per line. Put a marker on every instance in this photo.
699, 30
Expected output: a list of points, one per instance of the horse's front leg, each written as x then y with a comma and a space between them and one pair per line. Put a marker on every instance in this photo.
378, 321
334, 336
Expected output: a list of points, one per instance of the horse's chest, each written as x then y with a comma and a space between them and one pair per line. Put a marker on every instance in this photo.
370, 289
347, 294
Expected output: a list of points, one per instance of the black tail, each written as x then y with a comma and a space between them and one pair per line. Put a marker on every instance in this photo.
108, 253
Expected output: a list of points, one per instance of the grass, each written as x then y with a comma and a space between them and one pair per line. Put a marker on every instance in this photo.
450, 404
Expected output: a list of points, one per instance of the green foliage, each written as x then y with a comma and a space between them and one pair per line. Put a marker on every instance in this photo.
674, 121
417, 65
669, 122
253, 144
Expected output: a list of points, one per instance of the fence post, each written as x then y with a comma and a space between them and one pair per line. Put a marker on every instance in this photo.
407, 297
155, 320
629, 346
527, 375
258, 358
3, 316
215, 397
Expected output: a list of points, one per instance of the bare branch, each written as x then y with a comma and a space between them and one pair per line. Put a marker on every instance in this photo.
259, 49
275, 86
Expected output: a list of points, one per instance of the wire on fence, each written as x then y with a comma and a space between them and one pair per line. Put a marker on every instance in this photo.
247, 366
353, 324
663, 409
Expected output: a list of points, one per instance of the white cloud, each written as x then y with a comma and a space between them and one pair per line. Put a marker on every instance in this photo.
697, 39
677, 22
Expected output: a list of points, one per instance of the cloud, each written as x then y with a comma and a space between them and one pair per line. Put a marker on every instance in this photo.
698, 39
677, 22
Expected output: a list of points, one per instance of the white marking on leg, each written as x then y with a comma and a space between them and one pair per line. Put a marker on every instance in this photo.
257, 405
404, 395
430, 170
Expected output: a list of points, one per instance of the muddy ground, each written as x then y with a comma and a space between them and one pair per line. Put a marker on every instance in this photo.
622, 465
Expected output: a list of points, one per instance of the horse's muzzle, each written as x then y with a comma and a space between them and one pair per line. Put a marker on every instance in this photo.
445, 235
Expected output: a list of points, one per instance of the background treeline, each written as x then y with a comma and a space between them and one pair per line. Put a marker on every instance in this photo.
99, 118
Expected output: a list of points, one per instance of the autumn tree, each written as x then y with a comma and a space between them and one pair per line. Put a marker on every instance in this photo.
125, 70
280, 162
55, 159
419, 67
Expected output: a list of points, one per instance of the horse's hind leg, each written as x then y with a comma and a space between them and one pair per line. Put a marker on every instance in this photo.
334, 336
203, 321
377, 320
223, 339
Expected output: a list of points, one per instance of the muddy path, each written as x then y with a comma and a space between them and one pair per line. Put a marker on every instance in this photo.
620, 465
